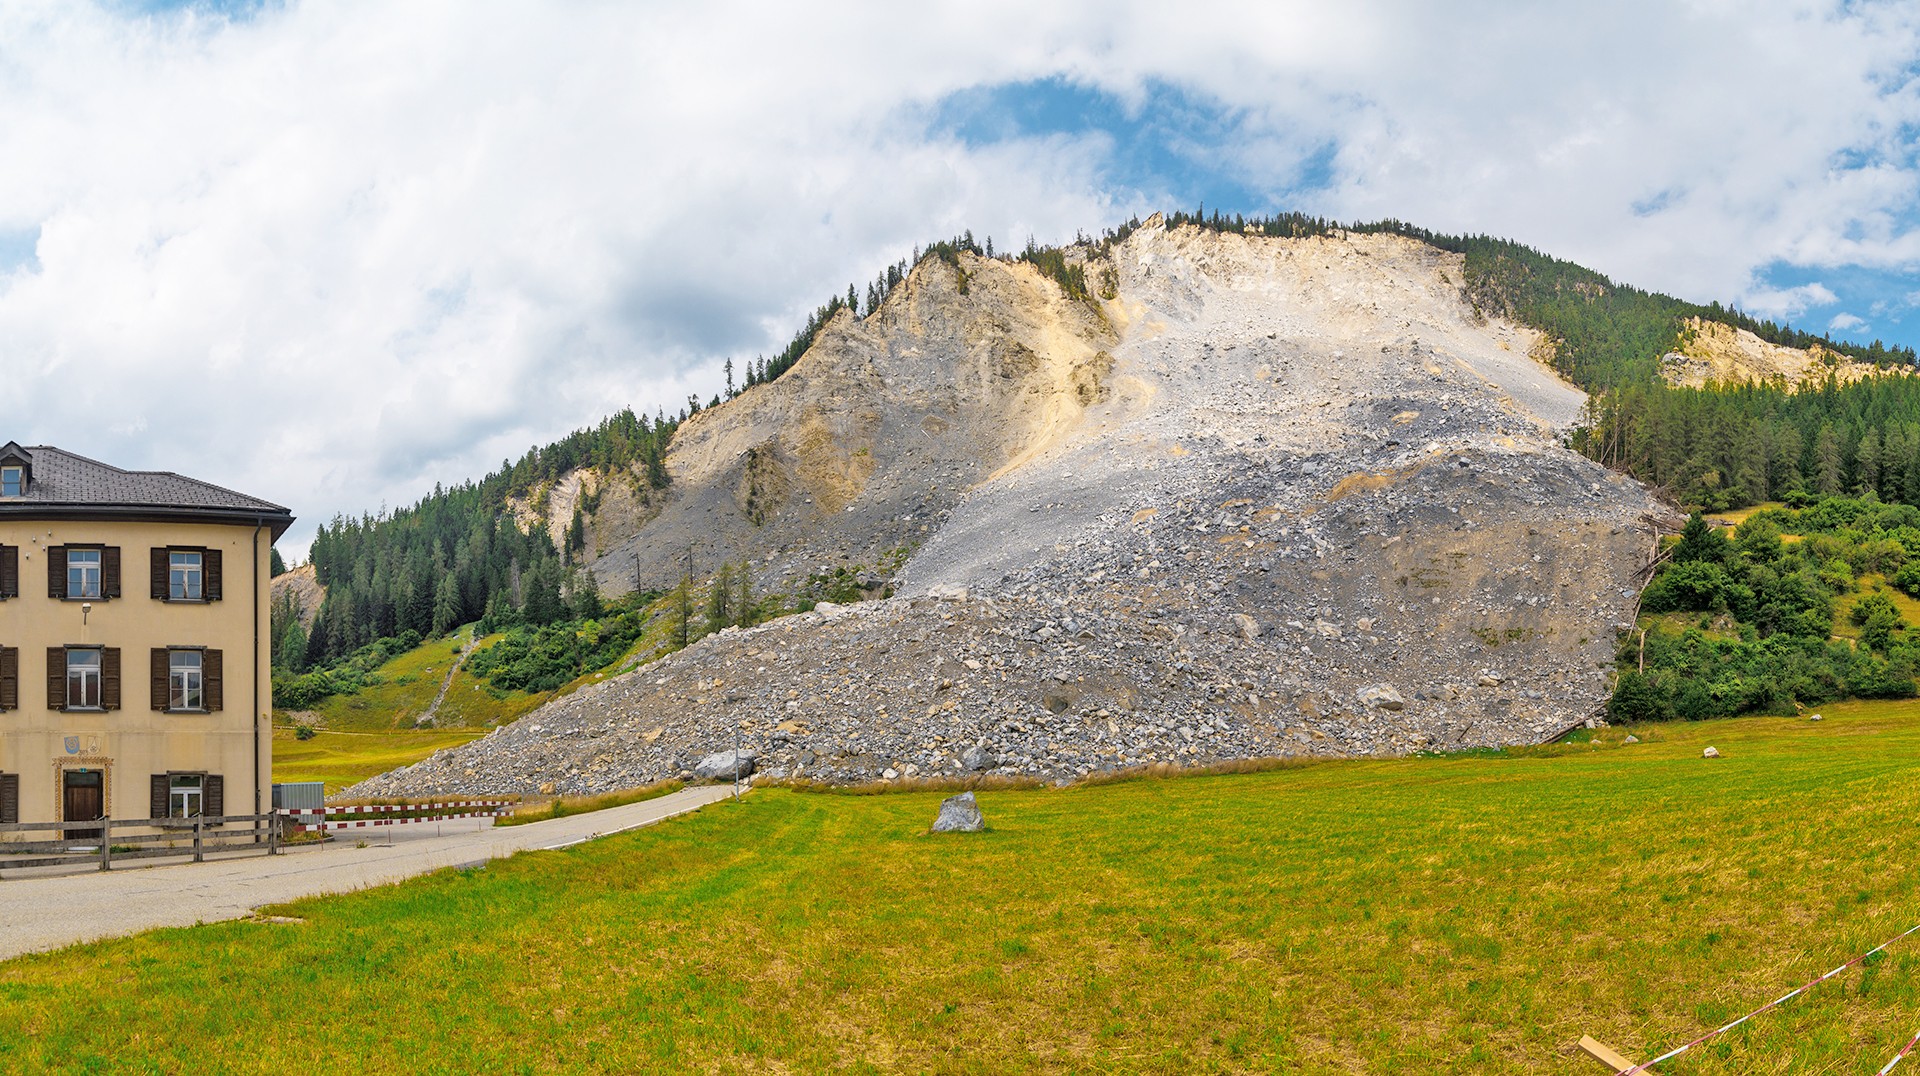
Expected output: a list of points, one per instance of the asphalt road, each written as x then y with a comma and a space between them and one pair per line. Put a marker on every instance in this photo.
40, 913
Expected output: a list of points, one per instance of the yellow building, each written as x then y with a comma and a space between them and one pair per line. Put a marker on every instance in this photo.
79, 738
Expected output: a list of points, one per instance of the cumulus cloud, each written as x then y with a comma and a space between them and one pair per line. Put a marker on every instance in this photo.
1786, 302
1846, 323
333, 253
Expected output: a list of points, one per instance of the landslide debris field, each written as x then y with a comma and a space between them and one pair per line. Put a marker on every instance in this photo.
1471, 914
1272, 497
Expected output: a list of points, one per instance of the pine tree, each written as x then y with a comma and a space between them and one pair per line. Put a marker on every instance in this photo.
680, 613
583, 597
1700, 541
1866, 463
1826, 460
543, 605
291, 654
446, 604
576, 534
744, 613
719, 598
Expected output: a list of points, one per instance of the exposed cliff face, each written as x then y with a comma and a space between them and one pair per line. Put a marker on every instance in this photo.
1271, 497
308, 594
1711, 351
877, 431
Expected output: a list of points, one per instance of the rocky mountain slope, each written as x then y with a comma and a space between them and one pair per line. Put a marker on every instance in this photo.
1264, 497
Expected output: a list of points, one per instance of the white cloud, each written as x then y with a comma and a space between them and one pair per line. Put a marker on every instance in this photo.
1786, 302
342, 251
1846, 323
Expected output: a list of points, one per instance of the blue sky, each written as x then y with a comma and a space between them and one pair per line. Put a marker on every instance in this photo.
418, 238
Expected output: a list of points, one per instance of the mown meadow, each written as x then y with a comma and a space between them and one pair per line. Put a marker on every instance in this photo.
1467, 914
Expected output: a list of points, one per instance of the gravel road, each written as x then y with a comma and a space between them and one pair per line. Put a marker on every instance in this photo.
50, 912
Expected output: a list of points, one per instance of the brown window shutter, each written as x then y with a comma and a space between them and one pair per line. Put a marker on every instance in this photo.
213, 795
56, 571
56, 677
210, 662
162, 691
158, 580
9, 678
110, 678
157, 802
9, 798
110, 572
9, 571
210, 574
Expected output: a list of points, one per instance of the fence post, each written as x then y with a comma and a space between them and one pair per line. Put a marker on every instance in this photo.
106, 844
198, 855
273, 833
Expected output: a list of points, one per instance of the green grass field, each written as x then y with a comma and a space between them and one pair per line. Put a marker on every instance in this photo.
1470, 914
342, 758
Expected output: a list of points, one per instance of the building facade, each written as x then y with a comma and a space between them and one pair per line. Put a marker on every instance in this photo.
135, 657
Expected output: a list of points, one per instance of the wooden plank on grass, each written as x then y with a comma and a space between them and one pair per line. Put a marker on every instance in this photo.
1604, 1054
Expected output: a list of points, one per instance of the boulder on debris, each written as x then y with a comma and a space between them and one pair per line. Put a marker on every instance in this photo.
959, 814
1381, 697
725, 765
1248, 627
1710, 753
978, 758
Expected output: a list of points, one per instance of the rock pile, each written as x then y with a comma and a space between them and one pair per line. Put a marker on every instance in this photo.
1316, 507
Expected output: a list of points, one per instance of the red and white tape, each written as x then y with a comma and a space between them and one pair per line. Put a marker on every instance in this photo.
1776, 1003
1904, 1050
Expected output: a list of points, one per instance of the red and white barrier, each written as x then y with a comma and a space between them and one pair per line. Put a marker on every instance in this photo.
339, 818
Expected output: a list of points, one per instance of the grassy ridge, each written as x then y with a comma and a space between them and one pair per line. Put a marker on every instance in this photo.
1416, 915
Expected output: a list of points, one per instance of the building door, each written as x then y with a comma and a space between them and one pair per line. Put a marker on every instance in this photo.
83, 796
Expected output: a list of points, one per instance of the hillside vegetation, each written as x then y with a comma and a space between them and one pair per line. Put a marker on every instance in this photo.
1467, 914
1798, 608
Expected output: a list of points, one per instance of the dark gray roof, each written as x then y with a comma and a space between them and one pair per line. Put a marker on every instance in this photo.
64, 481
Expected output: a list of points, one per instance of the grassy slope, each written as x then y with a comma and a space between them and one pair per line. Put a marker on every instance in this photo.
342, 758
410, 681
408, 684
1466, 914
370, 732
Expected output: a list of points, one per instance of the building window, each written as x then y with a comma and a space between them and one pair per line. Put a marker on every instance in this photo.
83, 573
184, 577
13, 481
185, 795
83, 680
185, 686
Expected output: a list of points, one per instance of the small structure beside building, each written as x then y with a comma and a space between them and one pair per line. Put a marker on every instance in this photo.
112, 577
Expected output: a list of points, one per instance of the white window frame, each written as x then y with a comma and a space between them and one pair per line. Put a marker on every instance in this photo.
186, 795
186, 680
13, 481
84, 573
82, 675
186, 575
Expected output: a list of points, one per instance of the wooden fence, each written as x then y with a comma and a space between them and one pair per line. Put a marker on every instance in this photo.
108, 840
